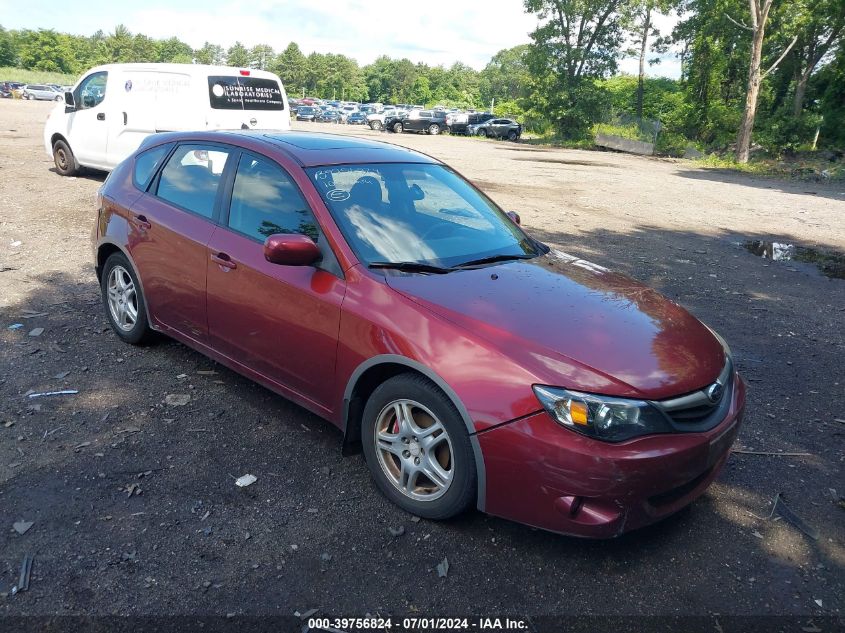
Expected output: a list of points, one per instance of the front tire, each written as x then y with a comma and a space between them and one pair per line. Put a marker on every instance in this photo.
417, 448
64, 159
124, 301
482, 133
398, 128
376, 125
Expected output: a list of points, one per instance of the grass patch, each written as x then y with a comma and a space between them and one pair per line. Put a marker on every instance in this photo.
7, 73
807, 168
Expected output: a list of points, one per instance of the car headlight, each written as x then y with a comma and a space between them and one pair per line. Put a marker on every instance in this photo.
601, 417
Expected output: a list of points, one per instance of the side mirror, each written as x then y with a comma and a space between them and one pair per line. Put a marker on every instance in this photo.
69, 100
513, 215
291, 249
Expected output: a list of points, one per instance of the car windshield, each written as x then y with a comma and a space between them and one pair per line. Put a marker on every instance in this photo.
420, 213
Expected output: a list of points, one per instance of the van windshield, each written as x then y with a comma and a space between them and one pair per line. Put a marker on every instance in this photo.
244, 93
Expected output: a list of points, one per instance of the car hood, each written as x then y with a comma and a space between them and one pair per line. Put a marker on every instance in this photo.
575, 324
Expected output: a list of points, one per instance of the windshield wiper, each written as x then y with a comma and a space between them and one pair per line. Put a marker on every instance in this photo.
411, 267
492, 259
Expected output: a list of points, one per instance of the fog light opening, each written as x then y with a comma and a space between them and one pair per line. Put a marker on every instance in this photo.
575, 508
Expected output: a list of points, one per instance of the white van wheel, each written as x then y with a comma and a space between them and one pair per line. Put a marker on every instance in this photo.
64, 159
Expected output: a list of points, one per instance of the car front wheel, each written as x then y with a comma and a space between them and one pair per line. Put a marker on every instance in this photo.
124, 301
64, 159
376, 125
482, 132
418, 449
398, 128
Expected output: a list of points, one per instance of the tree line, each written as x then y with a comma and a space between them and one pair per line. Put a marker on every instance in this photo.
767, 73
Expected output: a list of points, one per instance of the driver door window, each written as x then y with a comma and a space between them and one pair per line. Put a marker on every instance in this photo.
91, 91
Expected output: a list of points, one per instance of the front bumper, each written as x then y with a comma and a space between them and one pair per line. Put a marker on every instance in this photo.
544, 475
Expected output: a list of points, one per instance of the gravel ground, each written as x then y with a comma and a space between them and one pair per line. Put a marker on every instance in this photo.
133, 502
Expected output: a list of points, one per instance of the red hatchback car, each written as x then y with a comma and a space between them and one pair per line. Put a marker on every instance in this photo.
376, 287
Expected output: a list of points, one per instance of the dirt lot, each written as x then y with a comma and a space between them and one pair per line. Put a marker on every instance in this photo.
133, 501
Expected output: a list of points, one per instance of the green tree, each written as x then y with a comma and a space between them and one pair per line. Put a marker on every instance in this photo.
8, 50
45, 50
576, 42
421, 91
174, 50
210, 54
261, 56
237, 55
640, 22
506, 77
290, 66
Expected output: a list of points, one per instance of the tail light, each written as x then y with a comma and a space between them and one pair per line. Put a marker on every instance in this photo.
244, 73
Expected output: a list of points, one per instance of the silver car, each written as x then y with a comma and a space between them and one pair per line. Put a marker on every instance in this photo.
41, 93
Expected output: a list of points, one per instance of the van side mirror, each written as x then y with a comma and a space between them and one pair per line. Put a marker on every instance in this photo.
291, 249
70, 104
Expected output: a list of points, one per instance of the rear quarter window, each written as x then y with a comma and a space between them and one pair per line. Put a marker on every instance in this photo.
146, 164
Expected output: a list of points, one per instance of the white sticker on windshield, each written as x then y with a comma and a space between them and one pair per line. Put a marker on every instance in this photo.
337, 195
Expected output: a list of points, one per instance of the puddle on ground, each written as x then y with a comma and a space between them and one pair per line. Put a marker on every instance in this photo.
829, 262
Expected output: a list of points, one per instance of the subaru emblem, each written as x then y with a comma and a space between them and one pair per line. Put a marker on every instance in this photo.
715, 391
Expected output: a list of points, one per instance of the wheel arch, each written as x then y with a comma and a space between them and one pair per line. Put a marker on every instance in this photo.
106, 249
373, 372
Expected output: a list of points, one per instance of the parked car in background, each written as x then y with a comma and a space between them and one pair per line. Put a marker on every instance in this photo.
356, 118
380, 290
41, 92
394, 122
6, 90
377, 120
458, 122
329, 116
497, 128
426, 121
346, 110
307, 113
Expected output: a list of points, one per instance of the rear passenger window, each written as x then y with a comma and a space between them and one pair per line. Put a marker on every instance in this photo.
265, 201
146, 164
191, 177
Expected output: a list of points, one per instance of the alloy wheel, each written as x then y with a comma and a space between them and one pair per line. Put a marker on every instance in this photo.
122, 298
414, 450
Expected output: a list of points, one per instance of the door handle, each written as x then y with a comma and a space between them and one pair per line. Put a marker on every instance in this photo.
101, 116
125, 118
141, 222
224, 261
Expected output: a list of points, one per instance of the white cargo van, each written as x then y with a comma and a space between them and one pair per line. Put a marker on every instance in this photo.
114, 107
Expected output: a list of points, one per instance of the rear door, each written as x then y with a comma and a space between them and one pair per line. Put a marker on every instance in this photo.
280, 321
172, 225
246, 102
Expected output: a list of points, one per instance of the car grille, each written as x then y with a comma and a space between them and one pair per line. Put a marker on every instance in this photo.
699, 411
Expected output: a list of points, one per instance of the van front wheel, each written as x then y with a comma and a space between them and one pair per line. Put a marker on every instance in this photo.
64, 159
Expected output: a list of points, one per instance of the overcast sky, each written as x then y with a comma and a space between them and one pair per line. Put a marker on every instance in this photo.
470, 31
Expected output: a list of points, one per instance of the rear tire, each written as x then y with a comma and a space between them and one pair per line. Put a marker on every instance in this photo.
437, 444
434, 129
64, 159
123, 300
513, 136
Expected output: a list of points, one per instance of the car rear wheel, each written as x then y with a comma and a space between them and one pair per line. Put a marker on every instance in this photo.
376, 125
398, 128
512, 135
124, 301
434, 129
64, 159
418, 449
